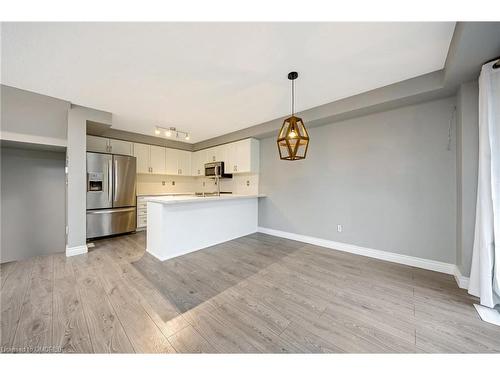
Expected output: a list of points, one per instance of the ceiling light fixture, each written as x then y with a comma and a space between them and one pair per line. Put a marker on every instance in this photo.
293, 139
169, 132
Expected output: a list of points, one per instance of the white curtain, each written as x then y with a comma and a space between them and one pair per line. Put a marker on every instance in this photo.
485, 271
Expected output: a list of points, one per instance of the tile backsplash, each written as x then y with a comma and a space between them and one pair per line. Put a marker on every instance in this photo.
161, 184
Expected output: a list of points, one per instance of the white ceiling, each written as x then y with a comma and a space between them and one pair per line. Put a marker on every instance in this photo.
213, 78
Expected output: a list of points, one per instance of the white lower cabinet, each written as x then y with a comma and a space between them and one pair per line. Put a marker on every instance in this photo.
142, 213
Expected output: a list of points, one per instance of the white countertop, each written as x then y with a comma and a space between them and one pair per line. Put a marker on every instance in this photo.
165, 194
198, 199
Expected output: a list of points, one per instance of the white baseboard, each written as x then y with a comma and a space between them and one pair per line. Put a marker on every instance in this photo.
76, 250
462, 281
428, 264
488, 315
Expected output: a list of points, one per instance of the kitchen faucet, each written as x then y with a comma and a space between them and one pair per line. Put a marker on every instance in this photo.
217, 179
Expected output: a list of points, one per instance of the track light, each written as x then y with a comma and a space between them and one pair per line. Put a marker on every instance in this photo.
169, 132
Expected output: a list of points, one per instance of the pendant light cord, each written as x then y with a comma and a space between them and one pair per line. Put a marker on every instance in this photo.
293, 97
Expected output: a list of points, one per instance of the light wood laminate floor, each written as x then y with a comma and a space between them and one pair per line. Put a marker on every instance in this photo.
255, 294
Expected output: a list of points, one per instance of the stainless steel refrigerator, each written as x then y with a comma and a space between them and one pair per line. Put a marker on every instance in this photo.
111, 200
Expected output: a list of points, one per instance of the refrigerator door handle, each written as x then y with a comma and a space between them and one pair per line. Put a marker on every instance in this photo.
110, 180
116, 180
110, 211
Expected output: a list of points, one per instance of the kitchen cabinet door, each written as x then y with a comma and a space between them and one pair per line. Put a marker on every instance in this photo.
117, 146
230, 158
242, 162
198, 161
211, 154
141, 153
158, 160
220, 153
194, 164
205, 157
183, 162
246, 159
97, 144
171, 165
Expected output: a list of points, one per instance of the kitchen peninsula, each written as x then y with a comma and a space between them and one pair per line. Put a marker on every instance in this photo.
178, 225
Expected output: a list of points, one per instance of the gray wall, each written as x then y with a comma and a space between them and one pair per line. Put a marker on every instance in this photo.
33, 204
77, 160
388, 178
34, 114
467, 166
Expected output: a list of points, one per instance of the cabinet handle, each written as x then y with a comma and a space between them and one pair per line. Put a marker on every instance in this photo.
198, 171
115, 181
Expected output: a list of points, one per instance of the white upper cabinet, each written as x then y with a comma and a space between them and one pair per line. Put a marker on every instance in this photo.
242, 156
109, 146
178, 162
215, 154
97, 144
238, 157
230, 157
210, 155
198, 160
157, 160
195, 164
184, 162
141, 153
117, 146
150, 159
171, 161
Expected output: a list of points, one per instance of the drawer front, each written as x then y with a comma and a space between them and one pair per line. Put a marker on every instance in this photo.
143, 205
142, 221
142, 211
108, 222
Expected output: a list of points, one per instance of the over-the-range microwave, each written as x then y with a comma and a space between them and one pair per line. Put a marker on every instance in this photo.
216, 169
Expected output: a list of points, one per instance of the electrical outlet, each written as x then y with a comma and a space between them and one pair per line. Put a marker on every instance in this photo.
163, 183
173, 183
203, 183
248, 182
339, 228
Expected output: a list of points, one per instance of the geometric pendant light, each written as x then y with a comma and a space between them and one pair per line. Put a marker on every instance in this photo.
293, 139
